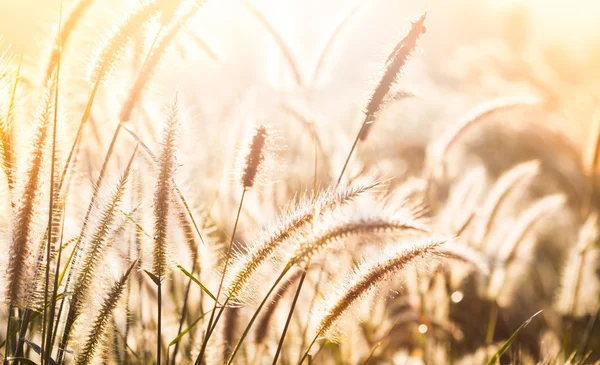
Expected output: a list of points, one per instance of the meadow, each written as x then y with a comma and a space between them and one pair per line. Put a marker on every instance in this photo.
201, 182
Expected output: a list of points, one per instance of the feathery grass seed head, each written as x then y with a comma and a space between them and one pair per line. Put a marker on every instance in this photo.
289, 225
438, 151
102, 319
154, 59
365, 229
255, 157
393, 67
117, 40
162, 192
23, 231
519, 175
368, 276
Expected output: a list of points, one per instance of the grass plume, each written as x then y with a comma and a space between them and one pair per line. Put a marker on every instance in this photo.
99, 243
162, 206
22, 234
491, 218
366, 278
98, 327
509, 181
364, 228
65, 32
289, 225
255, 157
152, 61
393, 67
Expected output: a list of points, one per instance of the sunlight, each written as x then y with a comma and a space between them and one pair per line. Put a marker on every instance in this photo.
290, 182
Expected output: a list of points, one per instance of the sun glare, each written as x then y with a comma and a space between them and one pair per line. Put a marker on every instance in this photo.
299, 182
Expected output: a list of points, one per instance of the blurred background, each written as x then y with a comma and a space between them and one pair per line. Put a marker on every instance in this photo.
230, 65
473, 46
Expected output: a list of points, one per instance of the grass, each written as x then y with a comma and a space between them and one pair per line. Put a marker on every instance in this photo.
234, 240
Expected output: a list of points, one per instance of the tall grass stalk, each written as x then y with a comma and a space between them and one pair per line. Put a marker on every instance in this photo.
162, 207
291, 312
98, 326
364, 279
211, 327
256, 313
23, 231
64, 33
100, 241
394, 64
252, 166
6, 139
193, 247
182, 200
285, 50
45, 318
121, 35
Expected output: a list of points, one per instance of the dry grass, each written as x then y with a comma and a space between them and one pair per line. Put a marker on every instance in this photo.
263, 230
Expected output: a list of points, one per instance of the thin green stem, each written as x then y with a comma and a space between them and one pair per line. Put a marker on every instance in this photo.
159, 327
308, 350
352, 150
491, 328
210, 321
45, 357
297, 295
289, 318
50, 335
184, 308
249, 326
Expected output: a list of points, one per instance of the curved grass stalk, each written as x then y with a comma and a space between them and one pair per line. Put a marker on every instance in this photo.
332, 37
365, 278
64, 34
285, 50
437, 152
517, 176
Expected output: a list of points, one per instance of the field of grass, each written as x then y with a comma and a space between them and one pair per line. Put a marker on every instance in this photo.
257, 182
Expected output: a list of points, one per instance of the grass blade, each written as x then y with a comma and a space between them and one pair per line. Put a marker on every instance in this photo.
509, 342
154, 278
189, 275
185, 331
